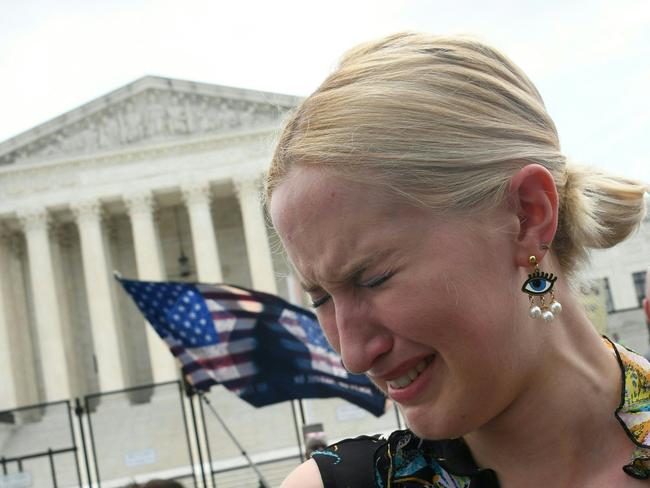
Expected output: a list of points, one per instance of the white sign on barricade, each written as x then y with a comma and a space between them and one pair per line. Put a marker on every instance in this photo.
16, 480
140, 458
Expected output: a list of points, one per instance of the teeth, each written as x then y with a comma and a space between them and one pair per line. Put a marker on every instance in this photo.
408, 378
402, 381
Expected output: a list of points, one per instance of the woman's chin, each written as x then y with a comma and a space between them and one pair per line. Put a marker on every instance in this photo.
429, 428
425, 432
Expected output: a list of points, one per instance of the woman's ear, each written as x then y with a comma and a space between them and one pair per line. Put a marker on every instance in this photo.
534, 198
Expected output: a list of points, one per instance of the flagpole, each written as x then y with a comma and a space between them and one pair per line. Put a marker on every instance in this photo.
259, 474
302, 412
295, 292
298, 434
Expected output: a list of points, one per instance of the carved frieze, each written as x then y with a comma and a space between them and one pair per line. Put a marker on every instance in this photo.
149, 116
44, 179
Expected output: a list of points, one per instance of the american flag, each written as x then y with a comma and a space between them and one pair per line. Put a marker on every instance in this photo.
257, 345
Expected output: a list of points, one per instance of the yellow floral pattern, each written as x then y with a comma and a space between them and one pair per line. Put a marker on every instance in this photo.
634, 409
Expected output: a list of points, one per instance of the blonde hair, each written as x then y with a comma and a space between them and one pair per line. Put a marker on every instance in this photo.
445, 122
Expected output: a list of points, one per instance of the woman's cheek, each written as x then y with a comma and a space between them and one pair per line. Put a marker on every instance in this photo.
331, 333
379, 384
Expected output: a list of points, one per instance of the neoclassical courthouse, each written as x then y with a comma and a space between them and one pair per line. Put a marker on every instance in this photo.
156, 180
160, 180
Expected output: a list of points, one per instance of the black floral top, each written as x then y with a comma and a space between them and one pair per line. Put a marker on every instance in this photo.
405, 461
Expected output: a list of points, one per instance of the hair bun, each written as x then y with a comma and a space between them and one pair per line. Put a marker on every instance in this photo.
597, 210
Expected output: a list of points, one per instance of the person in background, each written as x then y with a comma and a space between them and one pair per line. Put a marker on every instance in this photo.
422, 196
314, 443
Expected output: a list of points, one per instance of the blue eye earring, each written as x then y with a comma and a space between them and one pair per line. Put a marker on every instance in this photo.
536, 287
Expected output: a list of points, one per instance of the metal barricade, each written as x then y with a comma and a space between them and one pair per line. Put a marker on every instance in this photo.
139, 432
168, 431
38, 446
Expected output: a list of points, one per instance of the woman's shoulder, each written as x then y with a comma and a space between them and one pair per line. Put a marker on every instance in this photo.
366, 461
348, 462
306, 475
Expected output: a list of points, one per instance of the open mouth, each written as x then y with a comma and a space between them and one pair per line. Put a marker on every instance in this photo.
411, 375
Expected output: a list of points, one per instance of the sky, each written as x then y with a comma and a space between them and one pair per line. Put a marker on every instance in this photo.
590, 59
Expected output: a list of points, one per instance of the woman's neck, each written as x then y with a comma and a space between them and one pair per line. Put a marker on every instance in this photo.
563, 422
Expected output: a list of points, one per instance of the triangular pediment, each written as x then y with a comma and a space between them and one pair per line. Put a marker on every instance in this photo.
148, 110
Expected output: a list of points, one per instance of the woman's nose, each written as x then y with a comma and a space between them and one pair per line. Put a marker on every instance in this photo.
361, 336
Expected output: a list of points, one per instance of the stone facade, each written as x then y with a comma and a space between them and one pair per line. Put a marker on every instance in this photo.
123, 183
614, 272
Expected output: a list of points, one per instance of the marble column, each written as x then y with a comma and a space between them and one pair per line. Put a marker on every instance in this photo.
197, 200
149, 261
257, 242
21, 321
60, 245
47, 309
9, 378
100, 295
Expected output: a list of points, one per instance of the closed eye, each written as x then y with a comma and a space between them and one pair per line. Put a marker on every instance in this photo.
319, 301
371, 283
374, 282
